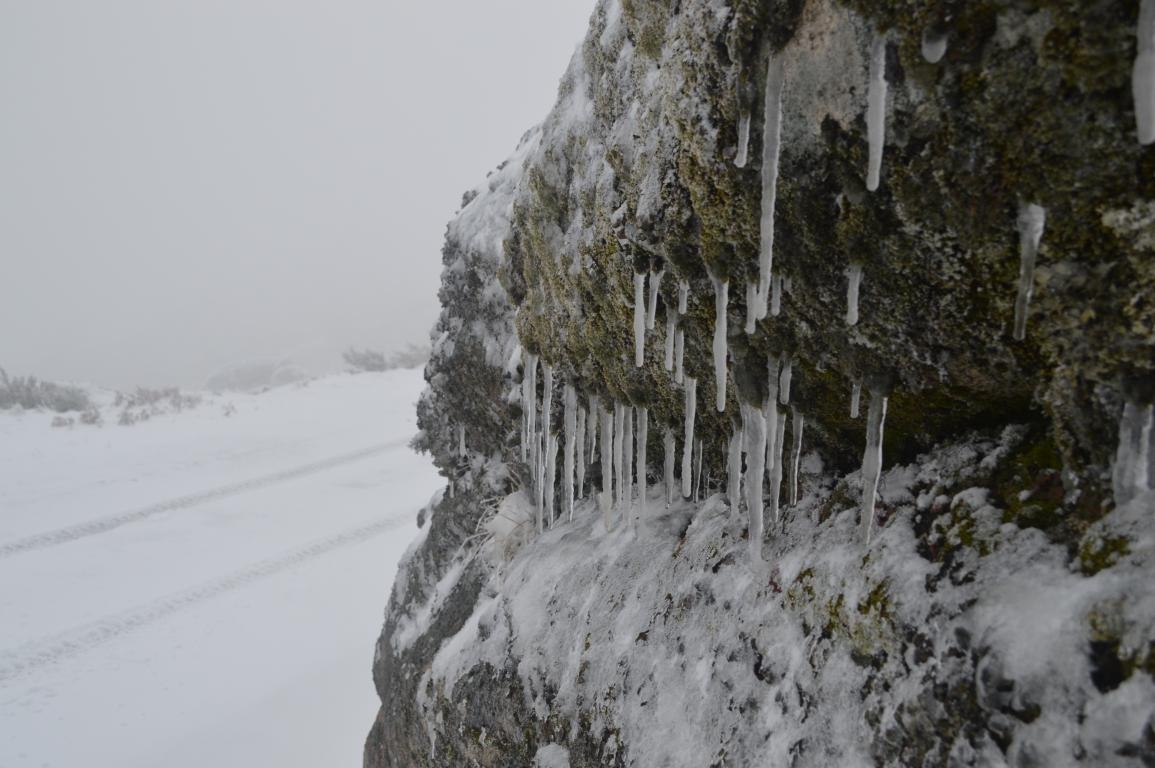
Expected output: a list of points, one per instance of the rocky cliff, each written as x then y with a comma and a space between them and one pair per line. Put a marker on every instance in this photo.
759, 212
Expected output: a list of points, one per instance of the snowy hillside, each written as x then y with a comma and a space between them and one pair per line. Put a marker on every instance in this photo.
201, 588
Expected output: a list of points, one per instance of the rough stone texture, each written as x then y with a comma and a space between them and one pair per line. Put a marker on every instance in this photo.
634, 170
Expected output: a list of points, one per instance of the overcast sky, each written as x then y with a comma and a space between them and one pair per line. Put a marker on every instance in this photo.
190, 183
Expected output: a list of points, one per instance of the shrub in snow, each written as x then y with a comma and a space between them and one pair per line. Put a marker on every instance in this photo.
29, 392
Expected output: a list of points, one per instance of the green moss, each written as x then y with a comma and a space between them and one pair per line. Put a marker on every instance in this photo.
1098, 553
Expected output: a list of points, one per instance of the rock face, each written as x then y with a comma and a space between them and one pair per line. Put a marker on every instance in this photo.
1002, 613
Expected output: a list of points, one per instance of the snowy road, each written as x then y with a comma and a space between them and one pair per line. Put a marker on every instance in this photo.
201, 590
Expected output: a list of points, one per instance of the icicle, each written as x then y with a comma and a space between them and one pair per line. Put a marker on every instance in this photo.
639, 319
743, 139
607, 497
876, 111
771, 149
721, 301
550, 477
592, 425
619, 451
776, 476
1143, 73
652, 308
754, 429
539, 482
698, 492
688, 438
770, 414
796, 454
640, 461
671, 329
461, 452
530, 405
669, 449
683, 296
1032, 220
580, 451
776, 296
1131, 474
853, 281
734, 472
785, 379
679, 356
628, 461
751, 308
855, 396
933, 46
872, 458
571, 433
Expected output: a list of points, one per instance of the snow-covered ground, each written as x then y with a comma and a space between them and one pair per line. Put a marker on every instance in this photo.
204, 589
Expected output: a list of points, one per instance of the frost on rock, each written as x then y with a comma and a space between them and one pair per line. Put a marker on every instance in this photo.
1143, 73
671, 329
933, 46
853, 281
872, 458
571, 434
784, 380
652, 307
743, 140
855, 398
606, 500
580, 454
669, 456
754, 430
640, 460
1031, 222
639, 319
721, 302
688, 437
796, 454
771, 150
876, 111
1134, 470
776, 295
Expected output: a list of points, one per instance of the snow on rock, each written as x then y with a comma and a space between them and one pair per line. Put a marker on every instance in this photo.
551, 756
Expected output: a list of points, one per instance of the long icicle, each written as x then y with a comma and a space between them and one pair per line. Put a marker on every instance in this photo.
776, 296
699, 492
679, 355
872, 459
619, 448
855, 397
652, 307
784, 380
770, 414
548, 438
580, 451
671, 329
1134, 463
1143, 73
688, 438
628, 462
640, 460
754, 429
669, 448
550, 477
547, 400
853, 281
771, 149
530, 405
751, 308
639, 319
592, 425
571, 432
734, 471
721, 302
876, 112
776, 476
796, 454
607, 453
539, 481
1032, 220
743, 139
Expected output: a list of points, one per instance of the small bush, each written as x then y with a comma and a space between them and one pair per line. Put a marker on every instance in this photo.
412, 356
91, 417
365, 360
63, 421
29, 392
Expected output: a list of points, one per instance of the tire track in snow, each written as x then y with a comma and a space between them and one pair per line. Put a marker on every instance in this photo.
105, 524
59, 647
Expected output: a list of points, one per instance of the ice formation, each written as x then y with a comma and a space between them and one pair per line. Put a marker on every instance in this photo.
640, 460
698, 490
751, 308
853, 281
796, 453
872, 458
461, 441
669, 448
628, 460
652, 307
580, 452
776, 295
547, 401
777, 452
933, 46
855, 397
754, 430
607, 498
683, 296
876, 111
619, 450
734, 472
743, 139
1032, 220
784, 380
592, 425
639, 319
770, 414
671, 329
679, 355
529, 408
1143, 73
550, 475
721, 302
1134, 470
571, 430
688, 437
771, 149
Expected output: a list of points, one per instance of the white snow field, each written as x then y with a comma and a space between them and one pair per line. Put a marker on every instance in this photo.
203, 589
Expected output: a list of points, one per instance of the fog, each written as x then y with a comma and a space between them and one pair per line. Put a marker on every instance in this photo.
186, 184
